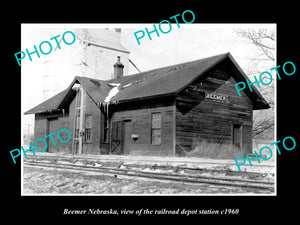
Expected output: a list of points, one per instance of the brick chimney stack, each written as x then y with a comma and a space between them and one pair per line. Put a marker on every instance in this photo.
118, 68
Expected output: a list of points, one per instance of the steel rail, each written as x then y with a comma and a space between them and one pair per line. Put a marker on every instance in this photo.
196, 179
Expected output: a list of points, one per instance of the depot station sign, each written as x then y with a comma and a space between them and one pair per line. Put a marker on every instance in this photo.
216, 96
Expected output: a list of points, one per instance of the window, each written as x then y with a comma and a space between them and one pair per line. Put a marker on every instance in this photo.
156, 128
105, 129
88, 129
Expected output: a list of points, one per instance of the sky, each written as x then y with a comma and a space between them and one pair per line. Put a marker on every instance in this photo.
187, 43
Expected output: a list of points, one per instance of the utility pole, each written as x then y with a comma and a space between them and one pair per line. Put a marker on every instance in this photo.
28, 129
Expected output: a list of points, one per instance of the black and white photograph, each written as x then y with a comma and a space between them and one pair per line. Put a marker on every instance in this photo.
165, 109
123, 111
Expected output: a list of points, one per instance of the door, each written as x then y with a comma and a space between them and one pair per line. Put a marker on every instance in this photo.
50, 128
237, 136
116, 138
126, 140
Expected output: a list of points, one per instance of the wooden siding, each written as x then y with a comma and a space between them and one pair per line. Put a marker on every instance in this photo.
199, 118
48, 123
90, 108
186, 119
140, 116
42, 121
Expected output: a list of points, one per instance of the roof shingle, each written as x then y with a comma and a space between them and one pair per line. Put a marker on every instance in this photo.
153, 83
164, 80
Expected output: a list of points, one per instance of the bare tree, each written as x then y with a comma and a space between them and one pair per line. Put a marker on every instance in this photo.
264, 41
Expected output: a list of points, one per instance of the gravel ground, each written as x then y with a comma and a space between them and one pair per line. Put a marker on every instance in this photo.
56, 181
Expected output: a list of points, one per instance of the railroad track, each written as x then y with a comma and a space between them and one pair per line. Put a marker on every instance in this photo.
175, 177
87, 157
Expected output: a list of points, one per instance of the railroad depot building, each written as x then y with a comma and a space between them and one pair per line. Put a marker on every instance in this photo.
159, 112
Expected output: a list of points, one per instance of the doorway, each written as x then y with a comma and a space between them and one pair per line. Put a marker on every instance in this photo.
50, 128
121, 137
237, 136
126, 140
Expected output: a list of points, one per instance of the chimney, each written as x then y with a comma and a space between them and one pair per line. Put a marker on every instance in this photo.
118, 68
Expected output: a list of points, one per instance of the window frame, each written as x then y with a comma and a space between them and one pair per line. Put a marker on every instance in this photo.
88, 129
155, 128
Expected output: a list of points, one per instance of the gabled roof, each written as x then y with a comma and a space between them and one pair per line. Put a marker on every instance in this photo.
96, 89
48, 105
164, 81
